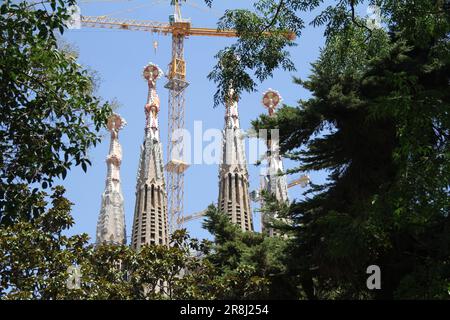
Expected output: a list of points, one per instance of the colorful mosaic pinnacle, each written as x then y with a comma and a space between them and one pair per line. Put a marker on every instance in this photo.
111, 221
150, 223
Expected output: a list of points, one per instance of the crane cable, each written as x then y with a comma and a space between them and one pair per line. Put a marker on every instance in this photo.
142, 5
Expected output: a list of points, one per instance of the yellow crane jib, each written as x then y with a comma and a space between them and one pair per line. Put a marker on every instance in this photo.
177, 28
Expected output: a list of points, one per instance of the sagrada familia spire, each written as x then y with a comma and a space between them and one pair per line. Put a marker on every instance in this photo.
233, 174
111, 221
273, 181
150, 225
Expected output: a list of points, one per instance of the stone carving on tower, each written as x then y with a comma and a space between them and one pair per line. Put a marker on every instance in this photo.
274, 180
111, 221
150, 223
233, 174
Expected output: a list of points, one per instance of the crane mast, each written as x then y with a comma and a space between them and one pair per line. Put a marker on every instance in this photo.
176, 84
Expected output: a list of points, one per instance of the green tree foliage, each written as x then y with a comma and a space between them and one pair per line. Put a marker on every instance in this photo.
248, 265
49, 116
378, 122
36, 256
261, 46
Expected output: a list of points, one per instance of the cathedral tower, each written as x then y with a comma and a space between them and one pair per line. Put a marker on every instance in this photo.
150, 225
274, 180
111, 221
233, 175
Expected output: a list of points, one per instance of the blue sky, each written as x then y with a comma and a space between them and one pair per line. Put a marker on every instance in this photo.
119, 57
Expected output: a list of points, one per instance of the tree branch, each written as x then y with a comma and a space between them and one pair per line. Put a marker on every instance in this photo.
274, 19
356, 22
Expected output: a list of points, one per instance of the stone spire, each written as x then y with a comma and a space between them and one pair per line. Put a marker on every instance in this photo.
274, 181
233, 175
150, 225
111, 221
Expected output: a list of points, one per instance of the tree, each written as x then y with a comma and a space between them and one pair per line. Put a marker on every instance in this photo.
49, 116
261, 45
35, 255
169, 272
378, 122
36, 261
247, 265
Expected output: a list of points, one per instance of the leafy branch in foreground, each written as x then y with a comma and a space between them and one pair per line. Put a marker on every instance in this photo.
49, 115
262, 45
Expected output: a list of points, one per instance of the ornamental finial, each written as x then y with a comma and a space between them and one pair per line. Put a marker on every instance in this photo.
115, 123
152, 72
271, 99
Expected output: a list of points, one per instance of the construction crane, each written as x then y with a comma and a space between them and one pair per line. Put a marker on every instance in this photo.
303, 181
191, 217
179, 28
